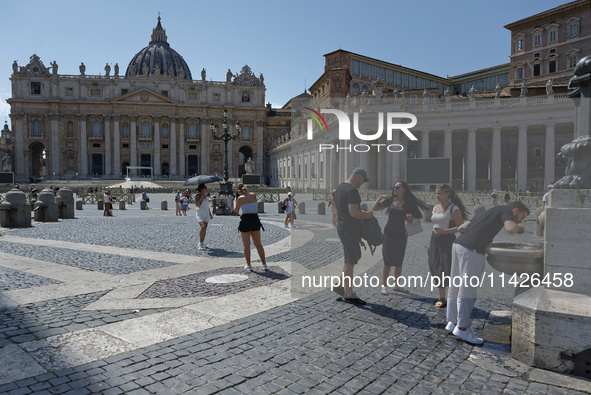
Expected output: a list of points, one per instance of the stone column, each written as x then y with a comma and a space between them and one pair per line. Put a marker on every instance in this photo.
19, 132
259, 149
182, 158
495, 158
425, 144
156, 148
55, 145
447, 143
116, 146
394, 169
172, 147
549, 156
522, 158
133, 142
83, 148
204, 144
471, 160
108, 150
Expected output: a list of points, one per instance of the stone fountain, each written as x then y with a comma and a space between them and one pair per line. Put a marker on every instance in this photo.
551, 324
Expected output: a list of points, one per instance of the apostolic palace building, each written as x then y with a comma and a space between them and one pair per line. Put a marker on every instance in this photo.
502, 126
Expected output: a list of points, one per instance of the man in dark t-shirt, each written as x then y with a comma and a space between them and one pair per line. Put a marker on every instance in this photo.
467, 261
347, 201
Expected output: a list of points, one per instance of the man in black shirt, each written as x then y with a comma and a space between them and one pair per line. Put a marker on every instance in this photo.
348, 202
468, 261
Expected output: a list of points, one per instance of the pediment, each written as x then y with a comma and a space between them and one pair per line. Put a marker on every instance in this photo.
144, 95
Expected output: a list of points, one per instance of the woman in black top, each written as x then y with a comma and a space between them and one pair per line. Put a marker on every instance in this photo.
402, 206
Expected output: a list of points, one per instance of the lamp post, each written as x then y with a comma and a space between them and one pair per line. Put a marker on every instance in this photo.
225, 187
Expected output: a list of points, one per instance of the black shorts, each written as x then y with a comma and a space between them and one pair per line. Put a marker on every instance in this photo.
351, 247
250, 223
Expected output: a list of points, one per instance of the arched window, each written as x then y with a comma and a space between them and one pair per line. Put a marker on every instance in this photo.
192, 131
96, 128
355, 88
36, 127
245, 133
145, 129
165, 131
70, 129
125, 130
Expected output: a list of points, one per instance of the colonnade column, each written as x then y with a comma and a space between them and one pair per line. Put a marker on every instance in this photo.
204, 142
549, 156
172, 146
133, 142
19, 147
107, 122
522, 158
55, 145
182, 148
116, 146
495, 158
259, 139
156, 158
447, 144
471, 160
425, 148
83, 168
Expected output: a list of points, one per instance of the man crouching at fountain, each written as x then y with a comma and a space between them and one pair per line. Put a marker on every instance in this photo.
468, 261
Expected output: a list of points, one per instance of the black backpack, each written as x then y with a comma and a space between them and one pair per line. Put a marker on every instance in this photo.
371, 233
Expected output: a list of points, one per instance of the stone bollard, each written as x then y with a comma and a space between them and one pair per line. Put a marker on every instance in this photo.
321, 208
15, 212
100, 205
45, 206
121, 204
79, 205
427, 212
302, 208
65, 203
477, 209
164, 205
143, 205
280, 210
260, 207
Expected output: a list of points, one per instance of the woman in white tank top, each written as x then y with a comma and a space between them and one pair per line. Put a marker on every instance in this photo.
203, 213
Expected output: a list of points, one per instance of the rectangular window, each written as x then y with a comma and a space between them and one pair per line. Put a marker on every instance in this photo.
413, 99
572, 30
192, 146
165, 132
552, 36
96, 145
69, 91
35, 88
553, 51
245, 97
165, 93
538, 152
192, 96
552, 66
125, 131
519, 46
537, 40
519, 74
165, 146
95, 92
536, 69
125, 145
572, 61
124, 91
537, 55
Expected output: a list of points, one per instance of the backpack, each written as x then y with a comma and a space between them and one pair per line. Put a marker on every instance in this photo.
371, 233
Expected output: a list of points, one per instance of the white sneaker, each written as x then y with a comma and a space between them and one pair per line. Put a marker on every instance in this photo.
450, 327
201, 246
468, 336
286, 227
265, 267
248, 267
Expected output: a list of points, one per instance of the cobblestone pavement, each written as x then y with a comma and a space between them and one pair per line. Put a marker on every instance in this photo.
157, 328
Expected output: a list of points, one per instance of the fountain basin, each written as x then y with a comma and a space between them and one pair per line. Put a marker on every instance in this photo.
516, 258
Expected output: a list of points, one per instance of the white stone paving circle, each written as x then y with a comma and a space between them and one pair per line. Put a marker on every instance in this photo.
226, 278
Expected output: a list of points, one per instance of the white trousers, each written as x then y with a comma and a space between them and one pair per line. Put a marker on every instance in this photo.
461, 297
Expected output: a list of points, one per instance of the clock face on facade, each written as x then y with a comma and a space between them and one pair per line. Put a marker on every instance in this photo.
35, 69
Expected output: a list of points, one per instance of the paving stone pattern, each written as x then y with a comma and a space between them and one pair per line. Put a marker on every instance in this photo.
16, 279
195, 284
36, 321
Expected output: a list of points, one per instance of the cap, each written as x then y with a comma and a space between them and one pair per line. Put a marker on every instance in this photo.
362, 173
290, 194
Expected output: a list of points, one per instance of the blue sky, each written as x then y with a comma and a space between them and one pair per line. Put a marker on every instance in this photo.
283, 40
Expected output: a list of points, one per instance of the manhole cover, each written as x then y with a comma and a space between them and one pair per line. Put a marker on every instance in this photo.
226, 278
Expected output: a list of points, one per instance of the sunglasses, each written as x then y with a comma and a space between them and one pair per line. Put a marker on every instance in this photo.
397, 187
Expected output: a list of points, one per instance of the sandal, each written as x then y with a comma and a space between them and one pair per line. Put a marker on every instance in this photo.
384, 291
440, 304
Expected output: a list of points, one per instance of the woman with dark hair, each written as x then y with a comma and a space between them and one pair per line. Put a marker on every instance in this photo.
401, 207
250, 224
447, 216
203, 213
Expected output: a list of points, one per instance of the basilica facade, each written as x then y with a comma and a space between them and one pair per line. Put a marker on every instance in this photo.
154, 115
